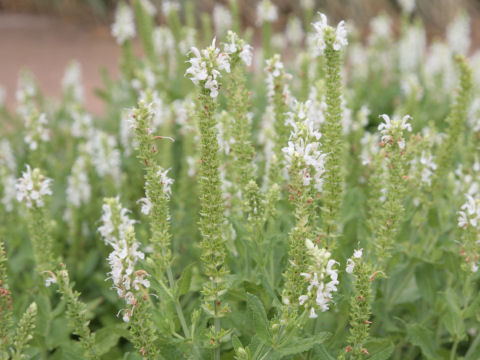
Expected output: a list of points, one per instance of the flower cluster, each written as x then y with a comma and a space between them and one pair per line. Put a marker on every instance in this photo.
393, 129
304, 146
458, 34
428, 167
469, 221
266, 12
125, 279
123, 28
78, 186
407, 5
357, 254
82, 125
115, 221
36, 130
205, 66
322, 279
323, 30
275, 70
469, 213
72, 82
32, 187
222, 19
105, 155
8, 168
166, 183
238, 47
169, 7
118, 232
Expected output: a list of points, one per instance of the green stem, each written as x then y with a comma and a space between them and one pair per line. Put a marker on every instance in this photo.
178, 307
454, 350
217, 329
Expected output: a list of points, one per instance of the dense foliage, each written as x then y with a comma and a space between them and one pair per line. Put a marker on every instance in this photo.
315, 196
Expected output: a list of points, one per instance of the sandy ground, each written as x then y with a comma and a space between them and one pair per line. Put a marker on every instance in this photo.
45, 45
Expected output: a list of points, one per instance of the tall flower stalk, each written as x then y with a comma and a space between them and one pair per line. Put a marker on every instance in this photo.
396, 163
155, 204
278, 98
240, 54
76, 312
32, 188
205, 72
130, 283
305, 164
456, 121
360, 309
330, 41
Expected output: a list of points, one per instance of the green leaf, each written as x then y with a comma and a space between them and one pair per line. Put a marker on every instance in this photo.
422, 337
108, 337
321, 353
236, 343
380, 349
259, 317
453, 319
183, 284
299, 345
424, 276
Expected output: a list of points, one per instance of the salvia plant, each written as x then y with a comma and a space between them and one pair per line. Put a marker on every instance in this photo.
249, 194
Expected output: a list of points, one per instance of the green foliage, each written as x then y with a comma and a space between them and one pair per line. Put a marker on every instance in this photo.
216, 219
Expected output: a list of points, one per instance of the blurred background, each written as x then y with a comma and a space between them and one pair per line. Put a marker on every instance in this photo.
44, 35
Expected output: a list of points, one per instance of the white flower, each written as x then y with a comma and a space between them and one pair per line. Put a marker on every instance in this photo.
82, 126
7, 158
235, 45
458, 34
163, 41
266, 12
123, 28
166, 181
411, 49
304, 146
32, 187
390, 125
222, 19
115, 222
429, 166
106, 157
72, 81
380, 29
205, 67
170, 6
322, 280
294, 31
78, 186
126, 280
9, 192
302, 299
192, 166
321, 27
52, 279
36, 130
407, 5
146, 205
470, 213
350, 266
148, 7
247, 54
358, 253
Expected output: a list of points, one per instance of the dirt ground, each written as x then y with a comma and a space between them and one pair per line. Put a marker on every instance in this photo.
45, 45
